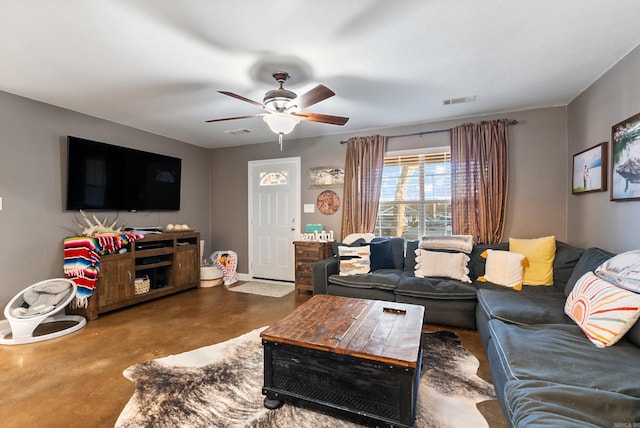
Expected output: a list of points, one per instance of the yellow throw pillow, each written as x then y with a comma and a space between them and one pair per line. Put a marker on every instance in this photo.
540, 252
504, 268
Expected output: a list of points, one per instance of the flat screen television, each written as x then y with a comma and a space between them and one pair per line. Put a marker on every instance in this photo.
106, 177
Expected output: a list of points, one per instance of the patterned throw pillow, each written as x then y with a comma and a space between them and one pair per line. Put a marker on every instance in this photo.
622, 270
540, 253
448, 265
504, 268
354, 260
603, 311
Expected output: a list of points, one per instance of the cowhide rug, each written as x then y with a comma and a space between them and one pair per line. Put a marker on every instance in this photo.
220, 386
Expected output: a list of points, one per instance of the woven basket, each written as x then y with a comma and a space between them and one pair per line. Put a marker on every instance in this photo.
142, 285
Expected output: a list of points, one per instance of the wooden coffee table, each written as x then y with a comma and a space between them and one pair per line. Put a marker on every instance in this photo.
353, 358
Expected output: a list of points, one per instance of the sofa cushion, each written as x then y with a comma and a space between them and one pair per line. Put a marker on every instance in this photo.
536, 403
540, 252
361, 293
567, 257
562, 354
386, 279
450, 312
410, 259
604, 311
434, 287
591, 258
442, 264
532, 305
633, 335
622, 270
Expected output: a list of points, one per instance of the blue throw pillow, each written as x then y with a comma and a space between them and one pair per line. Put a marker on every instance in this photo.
381, 255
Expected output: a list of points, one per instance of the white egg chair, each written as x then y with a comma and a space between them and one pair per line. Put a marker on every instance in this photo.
36, 305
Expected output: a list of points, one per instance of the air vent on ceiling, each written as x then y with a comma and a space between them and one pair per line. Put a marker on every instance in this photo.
460, 100
238, 131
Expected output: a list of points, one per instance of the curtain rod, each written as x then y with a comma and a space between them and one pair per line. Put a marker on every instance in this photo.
435, 131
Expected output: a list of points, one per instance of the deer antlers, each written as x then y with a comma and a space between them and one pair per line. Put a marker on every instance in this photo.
95, 229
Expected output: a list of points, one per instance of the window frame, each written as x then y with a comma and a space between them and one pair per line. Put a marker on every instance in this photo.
423, 201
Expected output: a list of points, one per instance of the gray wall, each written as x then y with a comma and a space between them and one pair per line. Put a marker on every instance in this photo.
537, 188
33, 222
594, 220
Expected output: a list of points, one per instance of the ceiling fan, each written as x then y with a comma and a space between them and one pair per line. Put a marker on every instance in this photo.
284, 107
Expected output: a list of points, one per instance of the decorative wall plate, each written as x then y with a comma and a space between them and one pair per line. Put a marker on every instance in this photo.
328, 202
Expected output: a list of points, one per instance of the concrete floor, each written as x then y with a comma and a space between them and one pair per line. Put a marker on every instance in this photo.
77, 381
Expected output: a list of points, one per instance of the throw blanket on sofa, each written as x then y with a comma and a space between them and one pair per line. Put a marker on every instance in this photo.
82, 260
462, 243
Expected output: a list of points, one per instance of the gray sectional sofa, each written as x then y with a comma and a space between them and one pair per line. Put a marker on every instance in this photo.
446, 301
546, 372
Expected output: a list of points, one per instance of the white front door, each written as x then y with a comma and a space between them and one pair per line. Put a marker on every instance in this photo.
274, 217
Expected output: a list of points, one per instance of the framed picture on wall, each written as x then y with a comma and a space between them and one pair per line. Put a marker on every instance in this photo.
590, 170
326, 176
625, 157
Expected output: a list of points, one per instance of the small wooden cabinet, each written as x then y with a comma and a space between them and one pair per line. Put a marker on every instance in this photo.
186, 266
116, 279
170, 260
307, 253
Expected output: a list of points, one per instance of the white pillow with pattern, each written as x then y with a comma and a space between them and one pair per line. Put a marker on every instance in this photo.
354, 260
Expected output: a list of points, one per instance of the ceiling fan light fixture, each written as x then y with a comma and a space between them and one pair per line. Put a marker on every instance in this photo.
281, 123
285, 113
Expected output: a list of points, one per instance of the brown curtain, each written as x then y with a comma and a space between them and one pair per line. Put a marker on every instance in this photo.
362, 179
479, 180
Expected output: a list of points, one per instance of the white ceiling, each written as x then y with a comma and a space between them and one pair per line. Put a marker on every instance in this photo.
156, 65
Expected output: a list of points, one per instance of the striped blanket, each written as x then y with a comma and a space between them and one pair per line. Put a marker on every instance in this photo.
82, 260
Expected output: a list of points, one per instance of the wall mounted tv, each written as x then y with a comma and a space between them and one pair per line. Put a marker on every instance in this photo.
106, 177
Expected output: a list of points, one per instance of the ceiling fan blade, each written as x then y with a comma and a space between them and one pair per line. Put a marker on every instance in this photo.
309, 98
241, 98
322, 118
234, 118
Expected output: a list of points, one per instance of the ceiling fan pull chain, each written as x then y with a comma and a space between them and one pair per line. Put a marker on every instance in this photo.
280, 139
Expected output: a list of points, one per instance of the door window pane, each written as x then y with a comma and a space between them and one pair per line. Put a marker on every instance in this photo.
273, 178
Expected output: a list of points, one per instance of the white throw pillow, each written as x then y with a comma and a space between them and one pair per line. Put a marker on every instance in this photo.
622, 270
504, 268
604, 311
436, 263
354, 260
